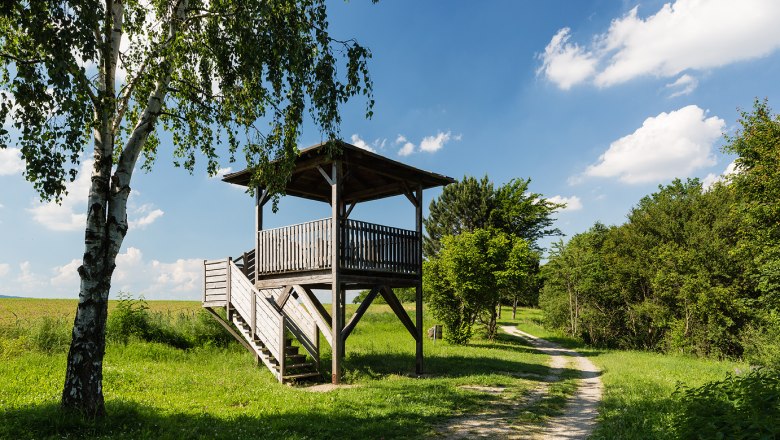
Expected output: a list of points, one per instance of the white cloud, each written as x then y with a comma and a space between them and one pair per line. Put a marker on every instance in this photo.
11, 162
565, 63
220, 173
669, 145
681, 36
429, 144
432, 144
684, 85
378, 144
29, 280
67, 276
148, 216
70, 215
180, 279
406, 149
154, 279
573, 203
710, 179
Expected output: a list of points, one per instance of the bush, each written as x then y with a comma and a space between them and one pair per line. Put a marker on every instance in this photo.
738, 407
46, 335
762, 341
132, 320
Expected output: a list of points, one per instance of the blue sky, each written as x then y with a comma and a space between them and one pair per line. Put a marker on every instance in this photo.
598, 102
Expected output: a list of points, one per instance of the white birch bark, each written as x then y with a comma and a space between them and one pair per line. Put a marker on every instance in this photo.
106, 218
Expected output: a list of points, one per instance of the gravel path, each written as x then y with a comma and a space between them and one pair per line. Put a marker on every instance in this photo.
579, 415
576, 422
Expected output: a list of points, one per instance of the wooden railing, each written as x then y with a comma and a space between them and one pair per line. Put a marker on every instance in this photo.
294, 248
367, 246
364, 246
246, 262
258, 311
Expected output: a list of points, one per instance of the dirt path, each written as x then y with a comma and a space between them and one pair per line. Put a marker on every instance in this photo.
579, 415
576, 422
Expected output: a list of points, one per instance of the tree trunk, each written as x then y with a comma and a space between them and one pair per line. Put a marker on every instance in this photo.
514, 309
107, 219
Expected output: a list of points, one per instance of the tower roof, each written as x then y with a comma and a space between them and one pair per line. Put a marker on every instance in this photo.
367, 175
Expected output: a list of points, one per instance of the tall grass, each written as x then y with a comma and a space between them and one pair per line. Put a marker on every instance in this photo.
130, 320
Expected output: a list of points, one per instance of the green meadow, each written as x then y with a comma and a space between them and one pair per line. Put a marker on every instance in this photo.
211, 387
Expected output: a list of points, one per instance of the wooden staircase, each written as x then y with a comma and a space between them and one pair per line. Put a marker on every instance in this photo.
268, 320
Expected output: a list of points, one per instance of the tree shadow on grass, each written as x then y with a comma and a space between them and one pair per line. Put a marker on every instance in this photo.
345, 419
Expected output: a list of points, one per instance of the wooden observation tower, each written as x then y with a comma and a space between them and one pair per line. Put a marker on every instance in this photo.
268, 290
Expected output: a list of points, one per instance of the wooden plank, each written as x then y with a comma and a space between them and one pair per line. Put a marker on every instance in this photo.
204, 281
285, 295
359, 313
281, 358
219, 285
395, 305
228, 287
318, 313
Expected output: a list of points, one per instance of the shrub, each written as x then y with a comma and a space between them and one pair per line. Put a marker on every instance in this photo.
762, 341
740, 406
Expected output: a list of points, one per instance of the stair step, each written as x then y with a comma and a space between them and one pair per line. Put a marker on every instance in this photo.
301, 365
296, 357
291, 350
301, 376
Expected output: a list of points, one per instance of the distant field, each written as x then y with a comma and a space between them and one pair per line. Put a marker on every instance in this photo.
25, 309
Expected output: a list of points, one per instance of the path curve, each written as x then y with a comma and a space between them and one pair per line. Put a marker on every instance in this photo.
579, 414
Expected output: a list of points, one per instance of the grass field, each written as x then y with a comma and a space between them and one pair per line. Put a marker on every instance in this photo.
153, 390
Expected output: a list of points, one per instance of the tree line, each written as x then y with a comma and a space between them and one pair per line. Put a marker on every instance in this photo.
694, 269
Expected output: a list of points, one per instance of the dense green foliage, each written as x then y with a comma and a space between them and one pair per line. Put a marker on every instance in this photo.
468, 281
465, 281
693, 270
472, 204
739, 406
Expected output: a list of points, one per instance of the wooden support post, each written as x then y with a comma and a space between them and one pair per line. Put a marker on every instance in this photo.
260, 199
398, 308
282, 349
281, 300
253, 314
335, 263
204, 280
229, 287
418, 287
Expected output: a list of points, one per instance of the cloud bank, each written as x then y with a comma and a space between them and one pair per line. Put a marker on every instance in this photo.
686, 35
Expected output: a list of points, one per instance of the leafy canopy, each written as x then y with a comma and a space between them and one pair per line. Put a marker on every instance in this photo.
476, 204
230, 72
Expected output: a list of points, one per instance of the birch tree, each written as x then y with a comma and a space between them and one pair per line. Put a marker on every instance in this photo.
84, 79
